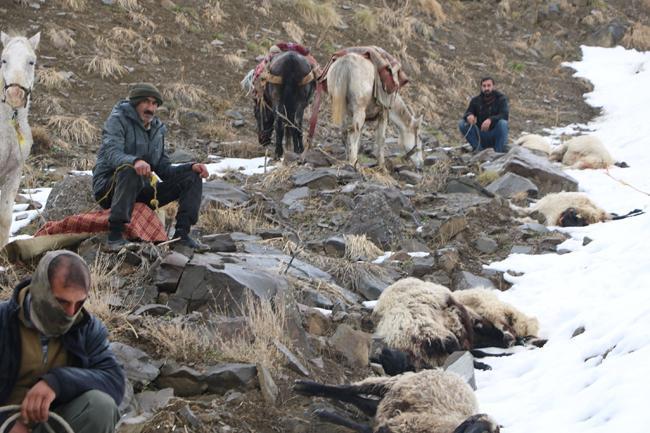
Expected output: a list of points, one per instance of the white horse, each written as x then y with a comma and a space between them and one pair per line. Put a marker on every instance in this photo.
350, 83
17, 80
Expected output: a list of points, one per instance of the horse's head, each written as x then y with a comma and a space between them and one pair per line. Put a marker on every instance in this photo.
410, 140
17, 68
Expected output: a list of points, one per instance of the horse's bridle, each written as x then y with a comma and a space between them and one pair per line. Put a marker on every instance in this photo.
28, 92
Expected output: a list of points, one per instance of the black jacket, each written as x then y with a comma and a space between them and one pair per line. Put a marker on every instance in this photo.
124, 140
496, 110
93, 365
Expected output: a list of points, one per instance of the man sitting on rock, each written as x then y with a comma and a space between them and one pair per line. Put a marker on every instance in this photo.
132, 150
485, 123
54, 355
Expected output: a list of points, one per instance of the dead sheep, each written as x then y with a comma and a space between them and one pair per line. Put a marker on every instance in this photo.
535, 143
582, 152
568, 209
427, 322
430, 401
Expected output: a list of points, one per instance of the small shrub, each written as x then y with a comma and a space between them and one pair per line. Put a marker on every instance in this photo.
106, 67
75, 129
366, 19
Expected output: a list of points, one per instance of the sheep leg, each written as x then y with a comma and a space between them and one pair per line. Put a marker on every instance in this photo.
337, 419
344, 393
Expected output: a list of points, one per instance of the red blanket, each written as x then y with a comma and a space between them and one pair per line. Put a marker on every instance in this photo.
144, 225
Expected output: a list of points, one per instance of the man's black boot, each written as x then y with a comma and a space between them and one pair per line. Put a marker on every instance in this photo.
186, 240
116, 239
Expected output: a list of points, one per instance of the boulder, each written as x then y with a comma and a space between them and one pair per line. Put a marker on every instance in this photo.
510, 184
354, 346
223, 193
545, 175
294, 195
70, 196
184, 380
373, 217
138, 365
222, 378
169, 271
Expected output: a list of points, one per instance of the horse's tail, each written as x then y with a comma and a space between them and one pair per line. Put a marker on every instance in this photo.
338, 80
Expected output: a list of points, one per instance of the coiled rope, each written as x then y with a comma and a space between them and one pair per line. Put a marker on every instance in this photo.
152, 181
14, 417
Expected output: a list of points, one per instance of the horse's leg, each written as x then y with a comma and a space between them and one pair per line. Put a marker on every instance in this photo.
279, 135
297, 131
358, 118
380, 137
7, 198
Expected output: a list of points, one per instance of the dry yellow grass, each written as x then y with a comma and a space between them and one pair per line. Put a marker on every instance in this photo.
124, 35
215, 219
74, 129
190, 342
51, 79
215, 130
435, 176
129, 5
186, 94
359, 247
433, 9
213, 13
245, 149
106, 66
183, 20
317, 12
366, 19
143, 22
638, 37
48, 104
61, 38
294, 31
487, 177
278, 177
75, 5
377, 175
235, 60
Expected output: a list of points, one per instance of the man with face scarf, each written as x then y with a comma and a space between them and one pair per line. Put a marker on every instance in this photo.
485, 122
132, 149
54, 355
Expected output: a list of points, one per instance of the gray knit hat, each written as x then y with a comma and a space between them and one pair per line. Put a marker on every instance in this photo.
140, 91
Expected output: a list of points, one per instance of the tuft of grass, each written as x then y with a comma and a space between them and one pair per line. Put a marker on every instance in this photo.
216, 219
435, 176
143, 22
294, 31
318, 13
433, 9
213, 13
61, 38
129, 5
377, 175
366, 19
359, 247
246, 149
183, 19
106, 67
75, 5
235, 60
74, 129
186, 94
51, 79
487, 177
638, 37
278, 177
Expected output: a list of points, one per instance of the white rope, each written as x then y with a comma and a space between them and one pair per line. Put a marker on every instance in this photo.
14, 417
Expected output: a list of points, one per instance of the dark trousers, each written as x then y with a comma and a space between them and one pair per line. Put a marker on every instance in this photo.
91, 412
496, 137
129, 188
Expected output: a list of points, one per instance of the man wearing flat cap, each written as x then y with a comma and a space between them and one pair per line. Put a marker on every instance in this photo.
55, 355
133, 146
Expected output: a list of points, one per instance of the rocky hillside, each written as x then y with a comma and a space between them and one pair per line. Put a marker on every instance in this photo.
301, 247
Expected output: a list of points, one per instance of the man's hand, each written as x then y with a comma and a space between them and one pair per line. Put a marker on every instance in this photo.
471, 119
142, 167
37, 401
19, 427
485, 126
201, 169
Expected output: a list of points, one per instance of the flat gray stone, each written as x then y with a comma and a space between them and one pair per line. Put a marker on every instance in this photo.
222, 378
223, 193
462, 363
292, 196
486, 245
137, 364
540, 171
267, 385
184, 380
292, 362
220, 243
510, 184
151, 402
521, 249
467, 280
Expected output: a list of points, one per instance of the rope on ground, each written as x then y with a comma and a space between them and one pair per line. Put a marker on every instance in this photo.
622, 182
14, 417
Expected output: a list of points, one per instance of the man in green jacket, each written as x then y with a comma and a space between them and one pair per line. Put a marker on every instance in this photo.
132, 149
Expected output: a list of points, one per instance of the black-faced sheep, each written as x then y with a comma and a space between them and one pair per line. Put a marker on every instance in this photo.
568, 209
585, 151
428, 322
430, 401
535, 143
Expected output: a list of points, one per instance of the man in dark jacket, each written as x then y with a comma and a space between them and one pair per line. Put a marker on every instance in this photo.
132, 149
485, 123
54, 355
